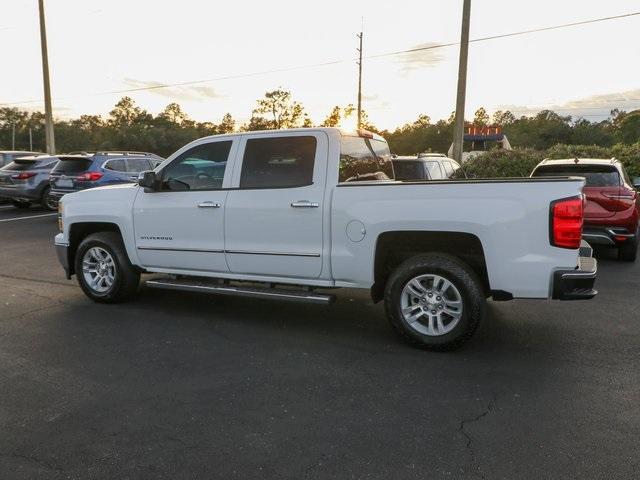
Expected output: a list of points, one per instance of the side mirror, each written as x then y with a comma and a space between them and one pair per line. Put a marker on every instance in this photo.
636, 183
148, 180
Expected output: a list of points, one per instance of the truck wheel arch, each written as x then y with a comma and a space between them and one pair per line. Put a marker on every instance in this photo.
79, 231
393, 248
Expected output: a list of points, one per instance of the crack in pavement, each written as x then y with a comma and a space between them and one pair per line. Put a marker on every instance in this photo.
38, 280
469, 445
28, 312
36, 460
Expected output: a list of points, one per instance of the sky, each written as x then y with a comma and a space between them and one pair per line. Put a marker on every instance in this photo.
98, 46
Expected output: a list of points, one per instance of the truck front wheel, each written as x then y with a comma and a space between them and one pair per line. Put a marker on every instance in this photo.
104, 271
434, 301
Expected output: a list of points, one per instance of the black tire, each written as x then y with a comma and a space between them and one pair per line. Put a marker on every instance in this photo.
47, 201
20, 204
126, 277
463, 278
628, 252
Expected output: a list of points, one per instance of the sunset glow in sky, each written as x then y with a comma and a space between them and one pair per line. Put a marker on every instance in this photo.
98, 46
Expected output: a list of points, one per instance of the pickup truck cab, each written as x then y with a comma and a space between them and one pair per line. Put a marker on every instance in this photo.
294, 214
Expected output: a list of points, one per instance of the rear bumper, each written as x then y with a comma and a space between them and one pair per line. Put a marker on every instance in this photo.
576, 284
19, 193
607, 235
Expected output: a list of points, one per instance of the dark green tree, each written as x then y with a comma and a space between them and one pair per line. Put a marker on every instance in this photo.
503, 117
278, 110
628, 127
481, 117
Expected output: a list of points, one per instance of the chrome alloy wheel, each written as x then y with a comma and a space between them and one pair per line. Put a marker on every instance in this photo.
98, 269
431, 305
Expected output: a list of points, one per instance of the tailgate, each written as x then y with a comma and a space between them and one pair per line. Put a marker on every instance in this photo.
602, 202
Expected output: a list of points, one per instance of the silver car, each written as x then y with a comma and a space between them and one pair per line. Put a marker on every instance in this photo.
26, 180
8, 156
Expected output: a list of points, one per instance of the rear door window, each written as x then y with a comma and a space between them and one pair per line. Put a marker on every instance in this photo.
71, 166
137, 165
364, 159
448, 169
278, 162
116, 165
435, 173
595, 175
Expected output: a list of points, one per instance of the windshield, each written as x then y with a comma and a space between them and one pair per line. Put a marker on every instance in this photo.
408, 170
595, 175
18, 166
72, 165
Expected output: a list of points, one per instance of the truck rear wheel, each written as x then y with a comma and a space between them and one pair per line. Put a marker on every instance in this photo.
104, 271
434, 301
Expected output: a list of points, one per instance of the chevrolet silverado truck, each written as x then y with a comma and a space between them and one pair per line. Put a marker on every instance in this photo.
295, 214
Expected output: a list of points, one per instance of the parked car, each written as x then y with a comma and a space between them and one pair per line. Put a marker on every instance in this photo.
612, 210
425, 166
289, 212
8, 156
80, 171
26, 180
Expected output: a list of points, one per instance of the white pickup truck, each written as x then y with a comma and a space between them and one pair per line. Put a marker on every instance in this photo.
293, 214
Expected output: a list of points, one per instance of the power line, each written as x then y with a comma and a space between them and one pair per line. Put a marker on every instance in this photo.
557, 106
506, 35
336, 62
193, 82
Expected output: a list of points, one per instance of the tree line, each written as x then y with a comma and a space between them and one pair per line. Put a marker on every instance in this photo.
130, 127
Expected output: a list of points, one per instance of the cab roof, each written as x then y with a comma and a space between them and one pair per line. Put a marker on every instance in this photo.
341, 131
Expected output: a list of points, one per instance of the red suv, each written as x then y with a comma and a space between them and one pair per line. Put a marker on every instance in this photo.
612, 210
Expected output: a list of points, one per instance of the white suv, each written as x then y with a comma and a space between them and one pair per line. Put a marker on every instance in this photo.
425, 166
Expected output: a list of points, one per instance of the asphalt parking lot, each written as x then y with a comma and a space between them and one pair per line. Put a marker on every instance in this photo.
178, 385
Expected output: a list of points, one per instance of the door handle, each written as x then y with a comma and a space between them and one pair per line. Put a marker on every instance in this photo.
304, 204
209, 204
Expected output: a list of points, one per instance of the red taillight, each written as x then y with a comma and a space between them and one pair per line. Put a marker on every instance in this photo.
566, 222
23, 176
89, 177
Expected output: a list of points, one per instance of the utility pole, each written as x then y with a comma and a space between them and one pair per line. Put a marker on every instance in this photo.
48, 126
458, 132
30, 140
13, 136
360, 81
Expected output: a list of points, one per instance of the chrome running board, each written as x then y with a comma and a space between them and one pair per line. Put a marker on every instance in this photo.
191, 284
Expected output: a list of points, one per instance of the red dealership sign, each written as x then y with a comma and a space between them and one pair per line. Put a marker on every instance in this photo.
484, 131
